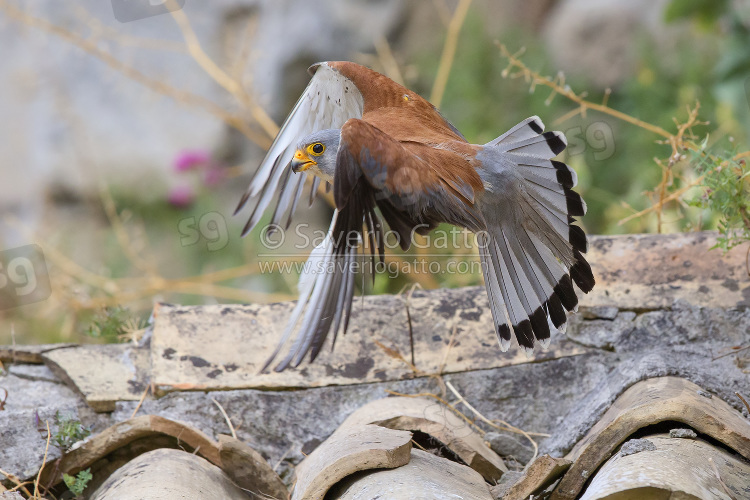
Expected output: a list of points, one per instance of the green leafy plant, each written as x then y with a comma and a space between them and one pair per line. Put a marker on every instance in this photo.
76, 484
112, 323
726, 184
705, 11
69, 431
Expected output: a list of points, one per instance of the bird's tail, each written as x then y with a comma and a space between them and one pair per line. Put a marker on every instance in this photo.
531, 251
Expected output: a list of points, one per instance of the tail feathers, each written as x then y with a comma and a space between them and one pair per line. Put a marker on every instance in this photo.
516, 290
325, 301
533, 257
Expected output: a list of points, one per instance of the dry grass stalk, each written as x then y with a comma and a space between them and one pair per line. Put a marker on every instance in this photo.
226, 417
449, 52
495, 424
744, 401
141, 400
503, 425
19, 485
37, 494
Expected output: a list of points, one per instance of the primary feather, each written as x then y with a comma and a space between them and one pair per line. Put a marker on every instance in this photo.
329, 100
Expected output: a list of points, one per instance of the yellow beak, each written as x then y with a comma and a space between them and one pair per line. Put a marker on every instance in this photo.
301, 162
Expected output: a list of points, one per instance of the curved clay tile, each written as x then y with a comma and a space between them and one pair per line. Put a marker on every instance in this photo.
437, 420
242, 464
682, 468
646, 403
425, 476
536, 476
351, 448
165, 474
379, 435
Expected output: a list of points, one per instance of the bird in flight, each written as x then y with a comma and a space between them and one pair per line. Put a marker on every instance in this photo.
388, 153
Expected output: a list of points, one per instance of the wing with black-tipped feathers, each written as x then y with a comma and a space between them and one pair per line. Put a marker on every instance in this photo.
329, 100
532, 252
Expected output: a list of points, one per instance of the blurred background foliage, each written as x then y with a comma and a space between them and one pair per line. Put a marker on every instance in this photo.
149, 245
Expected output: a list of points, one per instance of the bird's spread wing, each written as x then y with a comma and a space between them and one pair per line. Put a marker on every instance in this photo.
531, 248
326, 289
329, 100
326, 285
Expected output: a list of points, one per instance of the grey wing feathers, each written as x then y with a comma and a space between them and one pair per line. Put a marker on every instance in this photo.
326, 289
324, 104
532, 244
503, 325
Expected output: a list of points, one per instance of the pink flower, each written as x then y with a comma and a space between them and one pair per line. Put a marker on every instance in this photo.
181, 196
213, 176
190, 159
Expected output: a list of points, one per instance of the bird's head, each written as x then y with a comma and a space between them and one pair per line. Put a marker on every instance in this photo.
316, 153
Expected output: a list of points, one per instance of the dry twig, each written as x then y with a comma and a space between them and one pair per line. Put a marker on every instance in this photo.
141, 400
506, 425
744, 401
44, 462
154, 84
449, 52
558, 87
734, 350
680, 141
213, 70
721, 481
226, 417
385, 55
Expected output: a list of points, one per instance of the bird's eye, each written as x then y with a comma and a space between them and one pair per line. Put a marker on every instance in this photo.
317, 148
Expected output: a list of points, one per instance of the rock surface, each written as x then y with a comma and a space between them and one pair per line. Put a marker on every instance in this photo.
636, 446
103, 374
